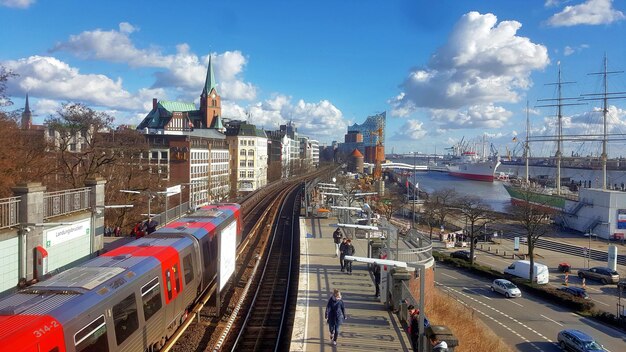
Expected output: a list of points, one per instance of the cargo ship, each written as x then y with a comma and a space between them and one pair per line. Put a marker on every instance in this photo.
472, 167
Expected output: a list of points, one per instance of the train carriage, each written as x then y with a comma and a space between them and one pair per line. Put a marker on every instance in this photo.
129, 299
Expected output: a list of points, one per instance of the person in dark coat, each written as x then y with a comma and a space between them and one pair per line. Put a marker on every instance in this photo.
151, 226
414, 324
438, 346
342, 254
348, 250
335, 315
337, 240
376, 272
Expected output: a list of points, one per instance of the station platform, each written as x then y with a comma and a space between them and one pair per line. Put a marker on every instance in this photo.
370, 325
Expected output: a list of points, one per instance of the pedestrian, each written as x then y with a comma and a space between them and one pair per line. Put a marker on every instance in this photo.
117, 232
348, 250
414, 326
337, 240
151, 225
342, 254
138, 231
335, 315
376, 272
438, 346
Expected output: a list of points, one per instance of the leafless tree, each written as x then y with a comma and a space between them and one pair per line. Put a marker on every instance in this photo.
477, 214
533, 213
439, 206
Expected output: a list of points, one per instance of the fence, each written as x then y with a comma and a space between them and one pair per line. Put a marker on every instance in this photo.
65, 202
9, 212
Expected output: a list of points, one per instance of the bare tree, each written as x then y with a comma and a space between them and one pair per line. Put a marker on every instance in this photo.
5, 74
439, 206
76, 142
477, 213
533, 214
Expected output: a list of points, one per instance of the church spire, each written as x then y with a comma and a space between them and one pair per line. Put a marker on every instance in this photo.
209, 83
27, 107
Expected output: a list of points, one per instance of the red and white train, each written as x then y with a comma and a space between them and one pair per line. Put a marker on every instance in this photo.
129, 299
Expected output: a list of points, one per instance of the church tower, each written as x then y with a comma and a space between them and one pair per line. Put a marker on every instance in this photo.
27, 116
210, 102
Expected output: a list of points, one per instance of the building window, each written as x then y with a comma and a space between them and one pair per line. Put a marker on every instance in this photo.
251, 174
251, 152
250, 163
252, 143
155, 155
242, 152
242, 163
164, 155
242, 174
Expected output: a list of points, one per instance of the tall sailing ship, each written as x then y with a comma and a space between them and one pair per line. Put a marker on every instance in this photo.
562, 198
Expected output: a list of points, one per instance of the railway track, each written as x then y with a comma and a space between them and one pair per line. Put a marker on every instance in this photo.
266, 326
206, 327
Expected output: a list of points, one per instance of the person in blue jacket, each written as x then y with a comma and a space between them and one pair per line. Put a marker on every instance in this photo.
335, 315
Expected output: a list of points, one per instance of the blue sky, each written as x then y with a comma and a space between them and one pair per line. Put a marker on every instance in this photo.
443, 70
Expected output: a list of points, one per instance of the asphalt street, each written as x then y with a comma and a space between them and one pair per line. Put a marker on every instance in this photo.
527, 323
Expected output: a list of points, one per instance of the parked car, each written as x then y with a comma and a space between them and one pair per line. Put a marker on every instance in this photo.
462, 254
578, 341
506, 287
603, 274
574, 291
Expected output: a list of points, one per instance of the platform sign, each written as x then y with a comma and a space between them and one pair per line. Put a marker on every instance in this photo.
227, 254
516, 244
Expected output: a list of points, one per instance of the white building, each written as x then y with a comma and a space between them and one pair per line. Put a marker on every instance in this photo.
248, 146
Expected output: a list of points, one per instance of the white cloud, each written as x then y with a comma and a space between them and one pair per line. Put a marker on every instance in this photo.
42, 108
476, 116
321, 120
44, 76
411, 130
21, 4
590, 12
182, 70
569, 50
552, 3
483, 62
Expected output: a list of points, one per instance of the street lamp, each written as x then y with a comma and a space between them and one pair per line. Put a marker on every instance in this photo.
150, 196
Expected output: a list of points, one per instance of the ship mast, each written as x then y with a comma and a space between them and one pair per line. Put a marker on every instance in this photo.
559, 129
526, 145
605, 111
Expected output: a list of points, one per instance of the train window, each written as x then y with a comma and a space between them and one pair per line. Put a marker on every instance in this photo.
168, 280
92, 337
207, 253
151, 297
187, 266
125, 318
176, 277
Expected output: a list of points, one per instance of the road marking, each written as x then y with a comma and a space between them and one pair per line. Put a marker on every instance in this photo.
554, 321
600, 302
450, 276
477, 291
500, 312
511, 301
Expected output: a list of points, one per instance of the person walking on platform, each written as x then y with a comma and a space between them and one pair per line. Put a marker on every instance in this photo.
335, 315
376, 272
342, 254
348, 250
414, 323
337, 240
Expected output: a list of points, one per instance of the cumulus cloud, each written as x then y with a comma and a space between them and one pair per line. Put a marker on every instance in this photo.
411, 130
320, 120
482, 63
569, 50
182, 70
476, 116
20, 4
590, 12
552, 3
44, 76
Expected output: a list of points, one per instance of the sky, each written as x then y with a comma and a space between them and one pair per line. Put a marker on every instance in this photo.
444, 71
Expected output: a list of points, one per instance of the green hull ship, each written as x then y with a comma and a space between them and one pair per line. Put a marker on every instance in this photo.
521, 196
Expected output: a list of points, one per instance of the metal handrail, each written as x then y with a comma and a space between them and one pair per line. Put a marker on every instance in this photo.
9, 212
66, 202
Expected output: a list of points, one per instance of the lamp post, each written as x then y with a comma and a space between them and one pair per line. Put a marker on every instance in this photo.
150, 195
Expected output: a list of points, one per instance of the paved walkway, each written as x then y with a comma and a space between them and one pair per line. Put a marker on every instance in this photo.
369, 327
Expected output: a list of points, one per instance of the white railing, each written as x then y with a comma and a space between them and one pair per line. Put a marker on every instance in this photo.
65, 202
9, 212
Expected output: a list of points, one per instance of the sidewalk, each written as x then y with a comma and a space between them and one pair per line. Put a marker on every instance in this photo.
369, 327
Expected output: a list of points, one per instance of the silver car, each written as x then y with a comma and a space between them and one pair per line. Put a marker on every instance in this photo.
506, 287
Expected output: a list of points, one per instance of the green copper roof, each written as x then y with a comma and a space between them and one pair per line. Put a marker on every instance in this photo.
217, 123
209, 83
177, 106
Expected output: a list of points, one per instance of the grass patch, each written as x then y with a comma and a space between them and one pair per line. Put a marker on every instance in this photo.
472, 333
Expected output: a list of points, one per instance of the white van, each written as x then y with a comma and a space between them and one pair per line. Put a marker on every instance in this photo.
520, 268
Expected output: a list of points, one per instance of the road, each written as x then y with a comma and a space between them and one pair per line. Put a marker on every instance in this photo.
527, 324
